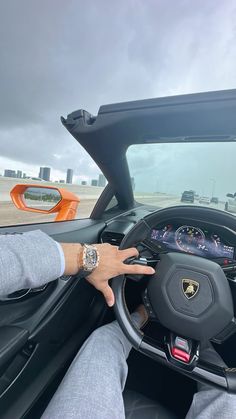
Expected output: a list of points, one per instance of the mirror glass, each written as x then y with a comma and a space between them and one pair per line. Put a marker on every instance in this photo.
41, 198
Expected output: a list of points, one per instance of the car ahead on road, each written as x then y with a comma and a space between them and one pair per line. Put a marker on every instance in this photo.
187, 196
146, 142
214, 200
204, 200
230, 204
38, 179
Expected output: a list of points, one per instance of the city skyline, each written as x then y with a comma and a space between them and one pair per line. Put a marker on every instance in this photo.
68, 175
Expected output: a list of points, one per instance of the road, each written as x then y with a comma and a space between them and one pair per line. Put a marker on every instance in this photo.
10, 215
6, 184
163, 201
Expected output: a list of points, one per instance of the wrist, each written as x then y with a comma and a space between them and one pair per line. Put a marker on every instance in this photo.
71, 254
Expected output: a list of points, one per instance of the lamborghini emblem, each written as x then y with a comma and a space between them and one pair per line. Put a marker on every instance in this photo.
190, 288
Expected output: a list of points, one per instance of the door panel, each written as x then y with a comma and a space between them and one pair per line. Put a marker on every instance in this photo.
12, 339
69, 231
44, 330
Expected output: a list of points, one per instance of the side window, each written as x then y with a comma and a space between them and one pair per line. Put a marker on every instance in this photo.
29, 193
112, 204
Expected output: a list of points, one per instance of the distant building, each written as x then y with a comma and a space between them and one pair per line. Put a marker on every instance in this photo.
41, 172
69, 176
24, 175
101, 180
9, 173
84, 182
19, 174
44, 173
61, 181
94, 182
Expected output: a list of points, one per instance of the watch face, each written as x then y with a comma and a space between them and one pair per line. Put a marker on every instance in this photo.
90, 258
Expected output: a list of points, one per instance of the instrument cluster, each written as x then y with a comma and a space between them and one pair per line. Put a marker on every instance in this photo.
194, 240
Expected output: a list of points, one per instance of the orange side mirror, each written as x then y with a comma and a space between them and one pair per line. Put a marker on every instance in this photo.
45, 200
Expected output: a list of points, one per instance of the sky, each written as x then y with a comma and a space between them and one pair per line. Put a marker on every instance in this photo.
57, 57
173, 168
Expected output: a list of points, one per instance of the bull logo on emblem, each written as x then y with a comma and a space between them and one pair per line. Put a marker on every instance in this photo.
190, 288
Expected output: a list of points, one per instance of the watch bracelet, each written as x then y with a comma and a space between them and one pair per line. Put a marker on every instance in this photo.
84, 258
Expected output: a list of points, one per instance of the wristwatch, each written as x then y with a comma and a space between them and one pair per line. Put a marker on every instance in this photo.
88, 259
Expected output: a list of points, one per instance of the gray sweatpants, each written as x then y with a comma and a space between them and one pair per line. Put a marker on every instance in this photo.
93, 385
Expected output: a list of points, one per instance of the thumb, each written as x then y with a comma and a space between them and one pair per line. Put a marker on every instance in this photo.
108, 295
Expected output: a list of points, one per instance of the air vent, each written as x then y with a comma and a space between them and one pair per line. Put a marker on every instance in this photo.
112, 238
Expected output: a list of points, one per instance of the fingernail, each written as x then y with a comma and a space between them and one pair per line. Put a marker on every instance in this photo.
153, 271
110, 303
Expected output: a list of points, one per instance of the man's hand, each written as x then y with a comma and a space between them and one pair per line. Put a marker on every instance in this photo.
111, 265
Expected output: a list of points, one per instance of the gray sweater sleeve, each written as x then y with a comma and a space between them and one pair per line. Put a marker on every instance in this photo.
27, 260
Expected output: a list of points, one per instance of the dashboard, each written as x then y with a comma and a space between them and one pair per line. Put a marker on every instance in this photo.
199, 231
204, 242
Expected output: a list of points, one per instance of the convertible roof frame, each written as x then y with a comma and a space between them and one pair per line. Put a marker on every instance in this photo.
207, 117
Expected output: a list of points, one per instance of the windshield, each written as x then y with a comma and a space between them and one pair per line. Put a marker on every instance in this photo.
165, 175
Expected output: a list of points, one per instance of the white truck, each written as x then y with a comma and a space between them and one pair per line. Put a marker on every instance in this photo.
230, 204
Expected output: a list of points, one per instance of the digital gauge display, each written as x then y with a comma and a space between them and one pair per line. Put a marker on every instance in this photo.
193, 240
189, 238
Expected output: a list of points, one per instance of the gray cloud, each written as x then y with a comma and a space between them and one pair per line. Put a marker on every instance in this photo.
173, 168
57, 57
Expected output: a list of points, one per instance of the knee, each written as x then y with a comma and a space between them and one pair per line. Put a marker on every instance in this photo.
108, 335
102, 333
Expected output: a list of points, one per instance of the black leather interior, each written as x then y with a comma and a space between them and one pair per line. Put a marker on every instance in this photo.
138, 406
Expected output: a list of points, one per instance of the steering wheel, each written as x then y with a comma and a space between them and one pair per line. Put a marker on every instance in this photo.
189, 295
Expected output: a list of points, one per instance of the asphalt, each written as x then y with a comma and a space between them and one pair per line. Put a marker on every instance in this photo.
10, 215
